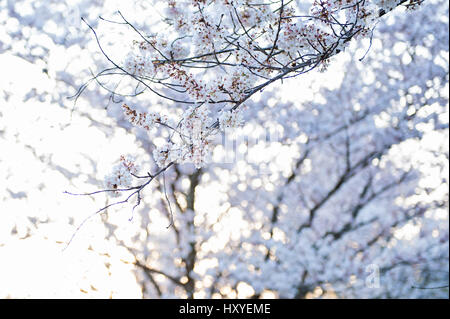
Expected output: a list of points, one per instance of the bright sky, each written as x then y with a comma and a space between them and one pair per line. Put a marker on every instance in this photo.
34, 136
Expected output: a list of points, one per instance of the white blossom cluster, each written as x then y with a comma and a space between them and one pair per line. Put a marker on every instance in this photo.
230, 119
194, 141
121, 176
139, 63
144, 120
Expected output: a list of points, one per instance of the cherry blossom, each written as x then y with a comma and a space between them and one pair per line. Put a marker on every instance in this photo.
351, 201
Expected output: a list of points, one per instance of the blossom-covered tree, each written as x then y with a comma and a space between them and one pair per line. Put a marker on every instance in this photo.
211, 57
342, 193
333, 207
